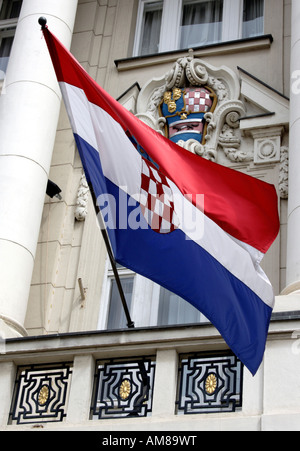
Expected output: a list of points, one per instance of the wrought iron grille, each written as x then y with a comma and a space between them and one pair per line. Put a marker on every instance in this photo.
209, 383
123, 388
41, 393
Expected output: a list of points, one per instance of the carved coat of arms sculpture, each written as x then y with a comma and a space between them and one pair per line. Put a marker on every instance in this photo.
197, 106
184, 110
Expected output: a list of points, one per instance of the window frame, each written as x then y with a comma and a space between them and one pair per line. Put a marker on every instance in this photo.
171, 19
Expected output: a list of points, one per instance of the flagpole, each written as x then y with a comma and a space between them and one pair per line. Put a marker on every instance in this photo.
130, 323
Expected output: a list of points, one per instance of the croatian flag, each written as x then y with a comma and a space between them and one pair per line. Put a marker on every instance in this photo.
196, 228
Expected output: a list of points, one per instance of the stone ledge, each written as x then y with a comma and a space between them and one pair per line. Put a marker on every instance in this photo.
229, 47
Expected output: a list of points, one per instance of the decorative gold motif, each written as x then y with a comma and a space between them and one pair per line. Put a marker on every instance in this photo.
210, 384
43, 395
167, 97
125, 389
170, 99
177, 93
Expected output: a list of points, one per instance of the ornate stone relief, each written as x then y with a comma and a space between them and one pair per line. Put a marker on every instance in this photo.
268, 149
284, 173
230, 140
82, 199
267, 144
220, 121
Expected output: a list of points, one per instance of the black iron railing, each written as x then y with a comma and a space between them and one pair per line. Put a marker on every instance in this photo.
209, 383
41, 393
123, 388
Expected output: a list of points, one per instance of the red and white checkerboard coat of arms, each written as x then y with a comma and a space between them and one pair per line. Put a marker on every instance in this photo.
157, 200
184, 111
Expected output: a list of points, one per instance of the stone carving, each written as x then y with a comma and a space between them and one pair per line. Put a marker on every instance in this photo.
82, 199
230, 143
284, 173
221, 123
267, 142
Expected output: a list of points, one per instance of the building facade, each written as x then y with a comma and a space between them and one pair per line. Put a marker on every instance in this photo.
67, 359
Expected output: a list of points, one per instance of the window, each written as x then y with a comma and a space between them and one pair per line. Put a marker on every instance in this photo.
168, 25
113, 317
253, 18
201, 23
116, 315
9, 13
175, 310
151, 25
148, 303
